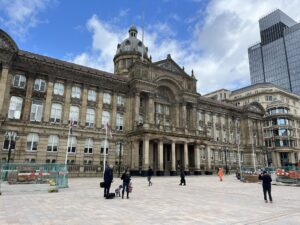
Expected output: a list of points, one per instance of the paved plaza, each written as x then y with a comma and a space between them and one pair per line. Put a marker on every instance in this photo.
204, 200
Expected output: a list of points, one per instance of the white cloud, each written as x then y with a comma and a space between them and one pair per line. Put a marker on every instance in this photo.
19, 16
216, 50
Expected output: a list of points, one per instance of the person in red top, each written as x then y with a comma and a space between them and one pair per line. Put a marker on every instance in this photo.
220, 174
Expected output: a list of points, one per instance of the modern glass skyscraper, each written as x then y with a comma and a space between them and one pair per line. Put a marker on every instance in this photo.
276, 59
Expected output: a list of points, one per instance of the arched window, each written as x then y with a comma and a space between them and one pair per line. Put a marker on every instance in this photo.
105, 118
74, 114
52, 143
32, 142
40, 85
36, 113
88, 147
15, 107
56, 111
103, 146
90, 118
72, 145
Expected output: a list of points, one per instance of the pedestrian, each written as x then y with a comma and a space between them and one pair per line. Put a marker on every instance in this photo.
182, 178
108, 179
220, 174
126, 181
266, 184
150, 173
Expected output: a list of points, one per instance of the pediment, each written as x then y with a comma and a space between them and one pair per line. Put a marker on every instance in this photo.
7, 43
170, 65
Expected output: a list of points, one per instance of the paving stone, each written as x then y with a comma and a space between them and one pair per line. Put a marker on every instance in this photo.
204, 200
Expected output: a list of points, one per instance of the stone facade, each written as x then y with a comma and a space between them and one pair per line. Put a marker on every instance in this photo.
281, 121
156, 115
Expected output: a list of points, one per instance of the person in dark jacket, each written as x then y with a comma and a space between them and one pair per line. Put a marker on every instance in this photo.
150, 173
108, 179
266, 184
126, 181
182, 176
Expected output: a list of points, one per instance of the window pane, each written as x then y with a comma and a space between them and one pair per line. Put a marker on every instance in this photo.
15, 107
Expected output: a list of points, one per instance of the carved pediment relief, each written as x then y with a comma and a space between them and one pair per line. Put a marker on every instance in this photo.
4, 44
170, 65
7, 43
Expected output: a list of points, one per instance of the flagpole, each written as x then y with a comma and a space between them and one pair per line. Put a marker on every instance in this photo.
104, 152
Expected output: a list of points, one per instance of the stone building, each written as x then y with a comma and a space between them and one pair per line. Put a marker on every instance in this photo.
281, 121
157, 117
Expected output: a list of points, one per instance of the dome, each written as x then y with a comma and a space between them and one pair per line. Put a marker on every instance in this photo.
132, 43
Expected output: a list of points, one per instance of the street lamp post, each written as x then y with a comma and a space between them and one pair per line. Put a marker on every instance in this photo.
11, 136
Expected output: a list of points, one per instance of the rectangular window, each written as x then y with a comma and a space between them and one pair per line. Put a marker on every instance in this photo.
19, 81
40, 85
92, 95
59, 89
120, 100
107, 98
76, 92
15, 107
36, 113
119, 122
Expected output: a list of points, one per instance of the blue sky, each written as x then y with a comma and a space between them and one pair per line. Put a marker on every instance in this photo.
209, 36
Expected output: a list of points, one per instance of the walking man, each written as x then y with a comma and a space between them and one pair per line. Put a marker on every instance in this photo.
266, 184
150, 173
126, 180
108, 178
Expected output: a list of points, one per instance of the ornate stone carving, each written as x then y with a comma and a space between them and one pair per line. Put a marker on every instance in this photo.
4, 44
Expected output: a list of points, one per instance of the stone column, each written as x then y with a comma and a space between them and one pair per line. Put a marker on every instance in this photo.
173, 169
83, 106
151, 109
194, 117
67, 102
183, 118
4, 91
177, 115
186, 158
134, 162
47, 104
99, 110
292, 157
208, 158
114, 111
160, 171
136, 108
197, 159
28, 98
145, 156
